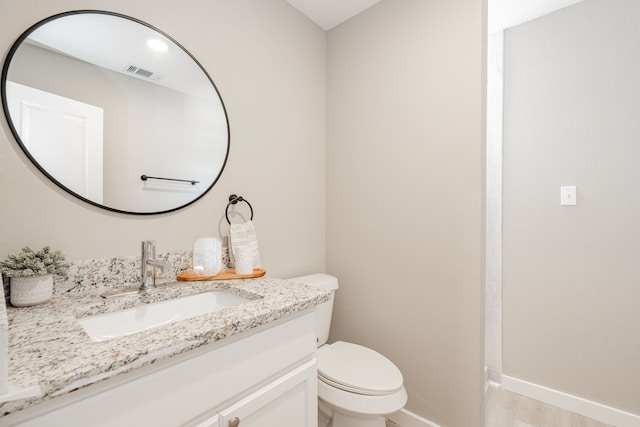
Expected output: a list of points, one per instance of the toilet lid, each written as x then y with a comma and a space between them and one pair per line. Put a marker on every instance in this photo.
357, 369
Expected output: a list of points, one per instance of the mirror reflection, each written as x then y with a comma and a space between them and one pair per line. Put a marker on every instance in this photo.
97, 100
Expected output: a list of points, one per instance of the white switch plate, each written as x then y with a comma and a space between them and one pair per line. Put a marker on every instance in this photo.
568, 195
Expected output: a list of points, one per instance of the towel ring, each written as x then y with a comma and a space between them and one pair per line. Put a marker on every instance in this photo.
233, 199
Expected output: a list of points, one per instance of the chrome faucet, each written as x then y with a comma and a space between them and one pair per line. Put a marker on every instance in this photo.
149, 264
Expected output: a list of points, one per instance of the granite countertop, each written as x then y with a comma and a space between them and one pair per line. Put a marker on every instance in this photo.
48, 347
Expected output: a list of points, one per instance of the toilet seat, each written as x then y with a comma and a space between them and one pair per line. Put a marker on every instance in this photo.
357, 369
360, 405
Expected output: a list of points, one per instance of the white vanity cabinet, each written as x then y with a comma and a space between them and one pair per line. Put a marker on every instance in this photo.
264, 378
287, 401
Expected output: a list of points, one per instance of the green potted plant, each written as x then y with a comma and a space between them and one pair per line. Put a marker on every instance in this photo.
31, 274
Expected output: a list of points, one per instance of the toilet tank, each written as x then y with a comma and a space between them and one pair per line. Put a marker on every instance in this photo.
324, 310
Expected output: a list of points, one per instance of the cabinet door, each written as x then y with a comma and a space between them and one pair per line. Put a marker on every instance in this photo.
291, 400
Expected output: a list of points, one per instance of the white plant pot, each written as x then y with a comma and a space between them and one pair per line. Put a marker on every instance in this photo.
26, 291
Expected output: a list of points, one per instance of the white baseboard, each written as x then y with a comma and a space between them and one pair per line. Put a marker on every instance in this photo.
588, 408
406, 418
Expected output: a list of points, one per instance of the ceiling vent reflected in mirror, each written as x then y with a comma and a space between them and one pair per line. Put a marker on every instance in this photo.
132, 69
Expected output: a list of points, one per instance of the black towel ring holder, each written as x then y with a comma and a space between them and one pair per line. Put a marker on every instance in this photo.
233, 199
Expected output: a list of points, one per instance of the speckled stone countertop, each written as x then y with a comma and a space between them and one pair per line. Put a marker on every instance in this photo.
4, 344
48, 347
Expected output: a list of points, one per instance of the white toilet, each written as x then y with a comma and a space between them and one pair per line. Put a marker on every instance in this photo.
357, 386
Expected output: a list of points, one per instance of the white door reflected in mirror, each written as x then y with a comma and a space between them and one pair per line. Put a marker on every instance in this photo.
63, 135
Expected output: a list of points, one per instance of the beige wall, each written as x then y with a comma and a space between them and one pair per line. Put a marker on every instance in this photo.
571, 274
403, 172
405, 189
269, 63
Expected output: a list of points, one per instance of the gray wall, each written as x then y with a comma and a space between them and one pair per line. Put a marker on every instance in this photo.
405, 188
571, 274
269, 63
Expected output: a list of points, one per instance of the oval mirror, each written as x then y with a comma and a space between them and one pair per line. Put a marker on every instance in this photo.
115, 112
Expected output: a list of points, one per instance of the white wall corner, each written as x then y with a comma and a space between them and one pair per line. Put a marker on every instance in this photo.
493, 230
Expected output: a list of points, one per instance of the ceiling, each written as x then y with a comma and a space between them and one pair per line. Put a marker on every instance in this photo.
120, 45
502, 13
329, 13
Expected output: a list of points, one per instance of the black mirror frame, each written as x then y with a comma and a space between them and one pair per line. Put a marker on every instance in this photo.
5, 106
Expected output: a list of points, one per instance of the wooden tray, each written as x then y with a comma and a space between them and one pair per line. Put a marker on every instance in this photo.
225, 274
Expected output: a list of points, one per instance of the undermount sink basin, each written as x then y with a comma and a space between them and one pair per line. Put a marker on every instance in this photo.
117, 324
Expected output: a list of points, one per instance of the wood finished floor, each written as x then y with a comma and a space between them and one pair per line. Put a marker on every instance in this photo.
506, 409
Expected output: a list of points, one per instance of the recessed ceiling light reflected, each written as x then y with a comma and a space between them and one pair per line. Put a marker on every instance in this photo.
157, 44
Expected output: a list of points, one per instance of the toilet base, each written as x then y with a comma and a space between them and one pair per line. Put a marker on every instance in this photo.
330, 417
344, 420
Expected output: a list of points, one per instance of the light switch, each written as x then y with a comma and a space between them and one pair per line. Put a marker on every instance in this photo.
568, 195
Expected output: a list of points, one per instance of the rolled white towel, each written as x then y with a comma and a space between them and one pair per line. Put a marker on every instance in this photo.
244, 234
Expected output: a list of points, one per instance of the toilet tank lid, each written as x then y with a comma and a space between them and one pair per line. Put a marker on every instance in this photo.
318, 280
